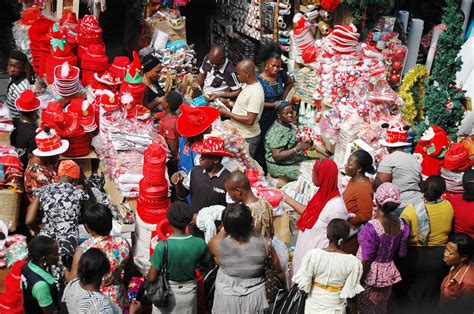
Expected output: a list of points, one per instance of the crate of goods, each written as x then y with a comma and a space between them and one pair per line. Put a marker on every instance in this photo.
10, 208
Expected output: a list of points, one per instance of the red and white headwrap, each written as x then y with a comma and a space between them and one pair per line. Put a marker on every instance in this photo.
387, 192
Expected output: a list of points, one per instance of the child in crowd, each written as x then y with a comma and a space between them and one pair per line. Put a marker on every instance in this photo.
17, 69
205, 183
238, 187
167, 129
60, 205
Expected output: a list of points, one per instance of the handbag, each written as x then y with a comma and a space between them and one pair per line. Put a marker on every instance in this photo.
289, 301
272, 282
210, 286
158, 292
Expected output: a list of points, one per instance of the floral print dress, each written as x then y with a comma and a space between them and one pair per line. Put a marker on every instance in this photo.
280, 136
118, 252
37, 176
60, 207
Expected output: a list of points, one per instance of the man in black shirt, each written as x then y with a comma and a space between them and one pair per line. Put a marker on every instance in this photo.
217, 76
205, 183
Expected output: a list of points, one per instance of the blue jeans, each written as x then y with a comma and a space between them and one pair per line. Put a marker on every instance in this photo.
253, 144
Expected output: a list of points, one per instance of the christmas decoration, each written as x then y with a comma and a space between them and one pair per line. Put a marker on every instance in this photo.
443, 100
367, 12
412, 109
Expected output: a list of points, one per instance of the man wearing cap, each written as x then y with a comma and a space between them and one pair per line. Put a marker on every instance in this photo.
205, 183
400, 168
248, 107
41, 167
23, 136
217, 76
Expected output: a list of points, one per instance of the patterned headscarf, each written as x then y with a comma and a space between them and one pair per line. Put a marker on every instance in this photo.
387, 192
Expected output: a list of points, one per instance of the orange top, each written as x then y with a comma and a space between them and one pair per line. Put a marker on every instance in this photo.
358, 197
458, 284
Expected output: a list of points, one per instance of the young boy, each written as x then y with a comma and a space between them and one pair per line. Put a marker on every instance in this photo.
238, 187
167, 129
205, 183
16, 69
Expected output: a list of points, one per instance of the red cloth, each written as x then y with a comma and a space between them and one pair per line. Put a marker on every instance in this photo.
326, 171
463, 214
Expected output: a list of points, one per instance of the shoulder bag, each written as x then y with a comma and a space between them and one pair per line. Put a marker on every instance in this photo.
157, 292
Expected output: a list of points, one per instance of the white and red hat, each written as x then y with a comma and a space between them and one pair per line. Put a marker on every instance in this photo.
119, 66
343, 39
212, 146
66, 79
49, 143
109, 101
27, 102
84, 112
395, 136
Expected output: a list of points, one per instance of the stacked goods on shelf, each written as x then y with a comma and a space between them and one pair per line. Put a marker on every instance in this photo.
153, 198
39, 28
89, 33
69, 127
132, 90
93, 63
61, 52
66, 80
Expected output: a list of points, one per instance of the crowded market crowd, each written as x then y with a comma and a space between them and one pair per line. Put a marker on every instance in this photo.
384, 232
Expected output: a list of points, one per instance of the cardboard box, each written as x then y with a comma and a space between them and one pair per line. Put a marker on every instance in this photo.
174, 34
281, 224
5, 138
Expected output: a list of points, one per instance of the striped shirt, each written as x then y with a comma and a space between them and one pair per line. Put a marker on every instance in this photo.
81, 301
222, 80
16, 86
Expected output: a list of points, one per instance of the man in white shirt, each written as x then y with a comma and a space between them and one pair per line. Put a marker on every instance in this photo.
248, 107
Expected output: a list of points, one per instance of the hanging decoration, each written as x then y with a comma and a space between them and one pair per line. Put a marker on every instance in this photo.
412, 109
443, 102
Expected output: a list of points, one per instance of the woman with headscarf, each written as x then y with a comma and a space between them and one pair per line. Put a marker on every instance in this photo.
283, 151
185, 253
325, 205
383, 239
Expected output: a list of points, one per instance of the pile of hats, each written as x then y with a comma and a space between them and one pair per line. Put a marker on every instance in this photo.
66, 79
11, 300
69, 21
133, 86
61, 51
113, 77
93, 62
67, 125
85, 112
153, 200
40, 27
89, 33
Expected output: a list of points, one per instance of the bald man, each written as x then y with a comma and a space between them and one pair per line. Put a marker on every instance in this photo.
217, 77
237, 186
248, 107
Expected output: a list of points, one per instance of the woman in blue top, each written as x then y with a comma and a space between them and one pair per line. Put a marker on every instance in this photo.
276, 85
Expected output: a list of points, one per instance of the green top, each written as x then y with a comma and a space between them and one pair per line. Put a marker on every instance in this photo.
185, 254
41, 290
280, 136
